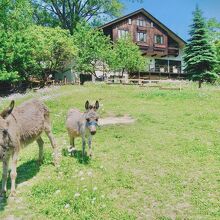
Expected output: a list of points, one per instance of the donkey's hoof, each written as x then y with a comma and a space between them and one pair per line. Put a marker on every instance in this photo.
72, 151
2, 193
13, 193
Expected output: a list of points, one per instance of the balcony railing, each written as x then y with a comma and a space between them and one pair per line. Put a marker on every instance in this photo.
173, 51
166, 69
157, 49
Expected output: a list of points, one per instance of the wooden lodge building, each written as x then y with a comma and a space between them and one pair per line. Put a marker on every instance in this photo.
162, 46
156, 41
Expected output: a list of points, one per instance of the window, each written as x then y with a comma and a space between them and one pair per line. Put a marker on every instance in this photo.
151, 24
141, 36
122, 33
129, 21
140, 22
158, 39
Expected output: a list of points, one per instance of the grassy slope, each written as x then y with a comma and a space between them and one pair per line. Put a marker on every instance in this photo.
164, 166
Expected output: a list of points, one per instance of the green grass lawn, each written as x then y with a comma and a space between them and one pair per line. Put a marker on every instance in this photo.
164, 166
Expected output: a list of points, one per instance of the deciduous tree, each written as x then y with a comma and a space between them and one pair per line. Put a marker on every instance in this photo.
68, 13
126, 56
93, 49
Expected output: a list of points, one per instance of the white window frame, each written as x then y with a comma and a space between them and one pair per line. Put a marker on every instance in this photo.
129, 21
122, 33
161, 41
140, 22
141, 37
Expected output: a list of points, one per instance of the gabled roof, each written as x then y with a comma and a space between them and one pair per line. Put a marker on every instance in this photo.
148, 15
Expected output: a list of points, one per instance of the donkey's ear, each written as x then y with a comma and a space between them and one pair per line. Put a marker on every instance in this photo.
5, 113
87, 105
97, 104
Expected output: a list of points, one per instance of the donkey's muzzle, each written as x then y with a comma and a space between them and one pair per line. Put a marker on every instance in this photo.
93, 132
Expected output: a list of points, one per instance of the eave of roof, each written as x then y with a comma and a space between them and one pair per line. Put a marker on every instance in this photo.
147, 14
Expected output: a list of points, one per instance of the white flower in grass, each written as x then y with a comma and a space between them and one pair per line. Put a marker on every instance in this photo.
85, 190
102, 196
95, 188
76, 195
67, 206
103, 206
93, 200
89, 173
80, 173
82, 178
57, 192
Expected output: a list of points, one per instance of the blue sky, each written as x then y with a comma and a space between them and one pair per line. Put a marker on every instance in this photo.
176, 14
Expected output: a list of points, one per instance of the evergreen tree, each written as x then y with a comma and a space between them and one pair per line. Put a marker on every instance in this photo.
200, 58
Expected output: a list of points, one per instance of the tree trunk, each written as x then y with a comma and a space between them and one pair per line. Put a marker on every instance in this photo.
122, 72
200, 83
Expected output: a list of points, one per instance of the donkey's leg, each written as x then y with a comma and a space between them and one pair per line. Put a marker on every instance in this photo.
48, 131
4, 176
72, 148
83, 145
52, 141
13, 171
90, 145
41, 149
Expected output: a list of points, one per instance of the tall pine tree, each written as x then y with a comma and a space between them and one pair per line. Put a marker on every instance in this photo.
200, 57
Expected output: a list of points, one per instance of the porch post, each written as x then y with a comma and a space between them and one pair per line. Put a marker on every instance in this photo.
168, 67
139, 80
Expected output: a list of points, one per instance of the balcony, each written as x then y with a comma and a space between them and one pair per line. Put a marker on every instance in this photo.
173, 51
158, 49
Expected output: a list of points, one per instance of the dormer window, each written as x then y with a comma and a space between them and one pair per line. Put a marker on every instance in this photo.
122, 33
140, 22
158, 39
129, 21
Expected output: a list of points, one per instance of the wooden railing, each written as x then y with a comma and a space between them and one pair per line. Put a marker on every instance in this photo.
158, 49
173, 51
166, 69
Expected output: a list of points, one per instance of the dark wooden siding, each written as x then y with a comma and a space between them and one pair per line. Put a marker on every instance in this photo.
169, 46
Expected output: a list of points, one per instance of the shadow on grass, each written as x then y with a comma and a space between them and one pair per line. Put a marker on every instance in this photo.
78, 155
25, 172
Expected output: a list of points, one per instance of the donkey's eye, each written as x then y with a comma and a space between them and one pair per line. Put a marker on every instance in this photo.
97, 119
88, 119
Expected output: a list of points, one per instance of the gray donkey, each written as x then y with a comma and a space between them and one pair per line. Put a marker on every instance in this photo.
82, 124
18, 128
